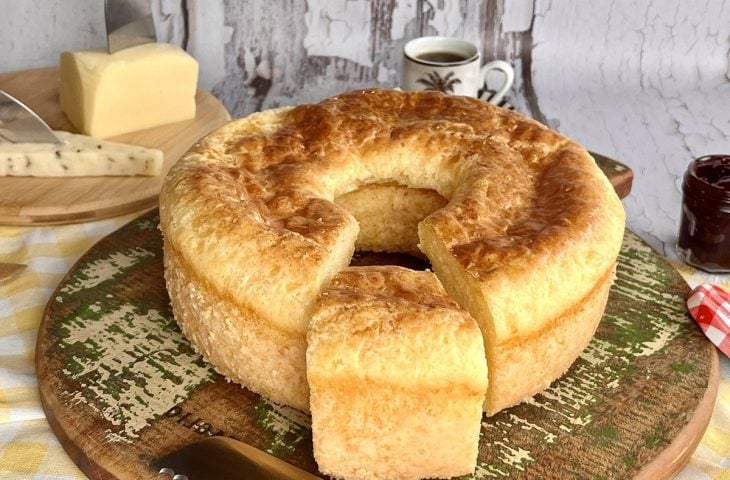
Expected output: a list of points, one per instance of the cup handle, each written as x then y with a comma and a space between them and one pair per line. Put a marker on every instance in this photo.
509, 78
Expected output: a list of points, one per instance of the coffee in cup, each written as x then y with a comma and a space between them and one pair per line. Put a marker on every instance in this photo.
452, 66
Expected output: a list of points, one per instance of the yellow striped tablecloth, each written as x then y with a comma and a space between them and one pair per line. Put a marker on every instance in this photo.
28, 448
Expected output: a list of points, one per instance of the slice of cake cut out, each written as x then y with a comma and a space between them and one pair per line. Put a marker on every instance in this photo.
397, 377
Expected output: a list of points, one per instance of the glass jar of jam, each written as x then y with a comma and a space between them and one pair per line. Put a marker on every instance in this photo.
704, 229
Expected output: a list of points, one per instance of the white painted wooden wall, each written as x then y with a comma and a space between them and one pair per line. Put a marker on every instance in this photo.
642, 81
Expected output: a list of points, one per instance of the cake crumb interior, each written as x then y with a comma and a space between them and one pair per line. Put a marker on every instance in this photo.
388, 215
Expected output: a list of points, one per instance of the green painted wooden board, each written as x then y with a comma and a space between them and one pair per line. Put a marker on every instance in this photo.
121, 385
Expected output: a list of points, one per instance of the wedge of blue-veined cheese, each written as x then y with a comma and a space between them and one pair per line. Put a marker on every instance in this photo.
78, 156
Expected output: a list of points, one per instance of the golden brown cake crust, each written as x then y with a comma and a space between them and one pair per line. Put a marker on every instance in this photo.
526, 366
218, 328
530, 220
394, 316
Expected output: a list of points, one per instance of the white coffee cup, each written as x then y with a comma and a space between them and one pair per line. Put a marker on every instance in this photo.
450, 65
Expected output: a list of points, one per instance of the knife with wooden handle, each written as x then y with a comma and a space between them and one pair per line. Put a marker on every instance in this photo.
9, 270
226, 458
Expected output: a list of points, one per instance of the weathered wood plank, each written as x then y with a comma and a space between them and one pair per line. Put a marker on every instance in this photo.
294, 52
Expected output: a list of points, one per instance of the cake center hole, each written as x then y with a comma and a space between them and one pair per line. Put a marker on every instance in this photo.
364, 258
389, 214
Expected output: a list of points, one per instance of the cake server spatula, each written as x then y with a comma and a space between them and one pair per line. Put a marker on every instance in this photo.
226, 458
128, 23
20, 124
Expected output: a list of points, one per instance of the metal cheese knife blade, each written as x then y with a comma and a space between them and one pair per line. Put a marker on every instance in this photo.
128, 23
226, 458
20, 124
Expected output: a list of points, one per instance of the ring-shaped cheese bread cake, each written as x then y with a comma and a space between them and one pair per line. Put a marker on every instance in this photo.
524, 236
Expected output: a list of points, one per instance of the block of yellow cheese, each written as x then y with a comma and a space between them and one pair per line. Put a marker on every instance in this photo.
105, 94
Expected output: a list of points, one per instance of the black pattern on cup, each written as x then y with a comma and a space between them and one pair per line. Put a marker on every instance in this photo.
434, 81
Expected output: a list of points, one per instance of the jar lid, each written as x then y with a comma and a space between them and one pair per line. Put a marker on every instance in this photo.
709, 176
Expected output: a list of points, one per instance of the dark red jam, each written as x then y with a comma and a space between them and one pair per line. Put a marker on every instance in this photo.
704, 230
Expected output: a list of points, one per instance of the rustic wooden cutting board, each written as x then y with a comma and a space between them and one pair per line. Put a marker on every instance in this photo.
122, 386
44, 201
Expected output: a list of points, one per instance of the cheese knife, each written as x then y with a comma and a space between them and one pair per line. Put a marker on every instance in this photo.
128, 23
226, 458
20, 124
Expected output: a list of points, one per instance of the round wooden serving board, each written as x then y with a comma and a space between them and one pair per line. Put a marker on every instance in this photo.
121, 386
45, 201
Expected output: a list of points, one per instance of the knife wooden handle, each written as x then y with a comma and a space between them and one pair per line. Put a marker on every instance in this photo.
9, 270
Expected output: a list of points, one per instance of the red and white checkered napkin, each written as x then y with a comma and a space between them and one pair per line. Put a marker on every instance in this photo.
710, 307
